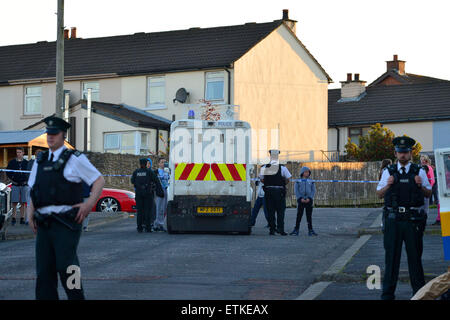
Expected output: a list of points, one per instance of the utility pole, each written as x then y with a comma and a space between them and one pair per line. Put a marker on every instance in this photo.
60, 60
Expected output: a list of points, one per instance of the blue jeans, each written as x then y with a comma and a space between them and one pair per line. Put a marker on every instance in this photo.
260, 202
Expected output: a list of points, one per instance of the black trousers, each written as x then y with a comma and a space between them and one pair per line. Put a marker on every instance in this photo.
144, 206
275, 201
56, 250
301, 207
395, 233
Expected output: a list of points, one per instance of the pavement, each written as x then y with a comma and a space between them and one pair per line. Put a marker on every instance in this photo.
350, 282
119, 263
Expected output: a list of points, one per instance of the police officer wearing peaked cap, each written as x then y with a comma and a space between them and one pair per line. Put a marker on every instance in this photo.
56, 211
143, 179
275, 178
403, 186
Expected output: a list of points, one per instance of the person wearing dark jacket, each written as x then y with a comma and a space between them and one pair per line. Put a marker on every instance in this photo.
305, 191
19, 190
29, 167
142, 180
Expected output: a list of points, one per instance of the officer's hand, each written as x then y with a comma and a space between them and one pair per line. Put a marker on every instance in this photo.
306, 200
390, 180
83, 212
32, 224
418, 179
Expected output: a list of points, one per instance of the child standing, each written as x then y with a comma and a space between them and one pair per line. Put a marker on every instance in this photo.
304, 191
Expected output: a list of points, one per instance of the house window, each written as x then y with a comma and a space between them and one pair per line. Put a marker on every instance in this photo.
130, 142
95, 90
33, 100
156, 93
144, 147
356, 132
112, 142
215, 86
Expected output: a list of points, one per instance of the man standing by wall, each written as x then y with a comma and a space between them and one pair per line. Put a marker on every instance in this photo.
142, 179
19, 193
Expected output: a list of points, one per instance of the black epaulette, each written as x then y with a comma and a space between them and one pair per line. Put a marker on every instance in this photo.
42, 156
392, 168
77, 153
415, 168
61, 162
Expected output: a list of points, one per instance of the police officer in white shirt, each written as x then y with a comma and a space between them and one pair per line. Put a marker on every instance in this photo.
57, 210
403, 186
275, 178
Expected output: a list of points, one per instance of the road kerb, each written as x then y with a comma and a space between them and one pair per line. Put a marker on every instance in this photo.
314, 290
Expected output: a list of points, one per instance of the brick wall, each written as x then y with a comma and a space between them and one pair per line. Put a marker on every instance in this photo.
117, 164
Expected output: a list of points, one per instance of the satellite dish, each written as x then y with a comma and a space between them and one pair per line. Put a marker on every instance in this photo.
181, 95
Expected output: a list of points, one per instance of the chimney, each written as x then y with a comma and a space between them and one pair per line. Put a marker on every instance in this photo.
66, 33
73, 33
351, 90
289, 22
396, 65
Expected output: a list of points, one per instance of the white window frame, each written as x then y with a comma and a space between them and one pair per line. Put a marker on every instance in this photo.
26, 96
209, 77
119, 134
159, 105
137, 142
84, 90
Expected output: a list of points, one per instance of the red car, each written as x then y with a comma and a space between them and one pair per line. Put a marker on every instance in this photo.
114, 200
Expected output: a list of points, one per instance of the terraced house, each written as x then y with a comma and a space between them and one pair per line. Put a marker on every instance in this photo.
261, 67
406, 103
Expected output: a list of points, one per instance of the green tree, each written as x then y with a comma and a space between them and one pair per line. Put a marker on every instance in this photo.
376, 146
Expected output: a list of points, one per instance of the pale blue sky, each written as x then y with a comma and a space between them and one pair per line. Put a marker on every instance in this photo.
344, 36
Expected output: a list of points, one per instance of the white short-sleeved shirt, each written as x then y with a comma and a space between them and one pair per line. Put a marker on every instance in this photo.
77, 169
284, 171
385, 176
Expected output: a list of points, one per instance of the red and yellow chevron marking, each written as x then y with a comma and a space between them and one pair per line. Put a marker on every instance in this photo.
214, 171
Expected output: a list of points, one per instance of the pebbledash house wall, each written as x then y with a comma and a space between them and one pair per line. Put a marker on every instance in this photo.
12, 100
278, 85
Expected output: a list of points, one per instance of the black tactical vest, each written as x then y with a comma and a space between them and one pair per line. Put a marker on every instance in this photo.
50, 187
142, 182
404, 192
274, 179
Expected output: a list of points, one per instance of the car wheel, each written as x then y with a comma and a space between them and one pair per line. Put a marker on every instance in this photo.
108, 205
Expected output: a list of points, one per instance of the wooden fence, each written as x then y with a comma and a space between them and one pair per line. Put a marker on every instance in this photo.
338, 194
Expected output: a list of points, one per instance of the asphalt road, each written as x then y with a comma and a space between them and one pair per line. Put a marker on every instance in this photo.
119, 263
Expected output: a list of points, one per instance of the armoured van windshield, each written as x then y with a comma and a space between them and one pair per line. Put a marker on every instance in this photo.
210, 158
442, 158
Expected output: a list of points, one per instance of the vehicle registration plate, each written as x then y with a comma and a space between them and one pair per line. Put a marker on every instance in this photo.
209, 210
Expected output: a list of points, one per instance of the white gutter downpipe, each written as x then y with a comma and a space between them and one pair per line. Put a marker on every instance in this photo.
88, 130
66, 107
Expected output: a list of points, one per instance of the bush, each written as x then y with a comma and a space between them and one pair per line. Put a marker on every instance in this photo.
376, 146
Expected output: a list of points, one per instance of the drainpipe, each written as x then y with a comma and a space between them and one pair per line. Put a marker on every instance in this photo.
229, 85
337, 142
89, 110
66, 107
